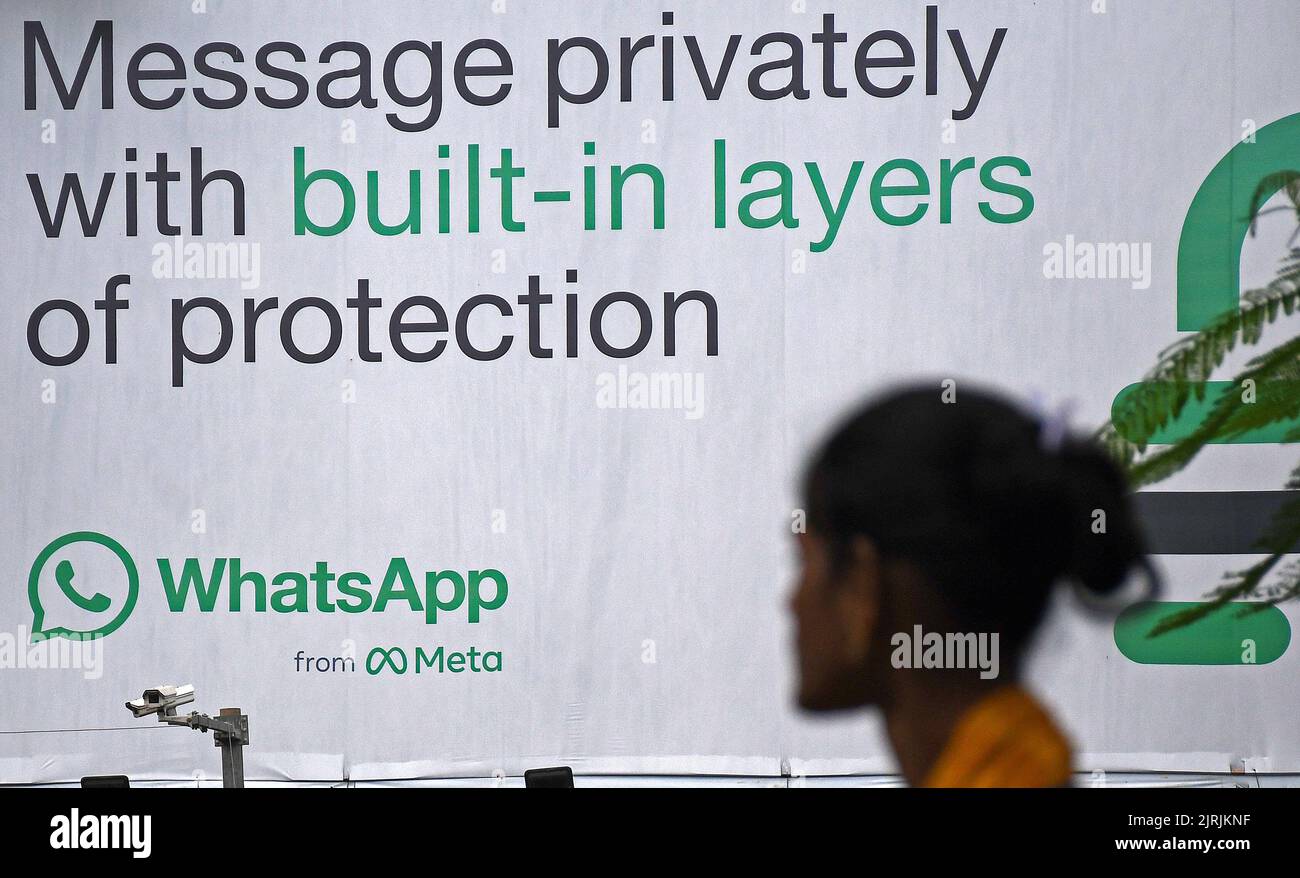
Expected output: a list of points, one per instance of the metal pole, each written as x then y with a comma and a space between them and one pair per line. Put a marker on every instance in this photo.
232, 748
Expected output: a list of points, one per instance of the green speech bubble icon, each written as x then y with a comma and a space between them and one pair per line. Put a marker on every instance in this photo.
80, 594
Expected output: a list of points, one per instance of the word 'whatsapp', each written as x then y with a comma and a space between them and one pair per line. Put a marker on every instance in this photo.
325, 591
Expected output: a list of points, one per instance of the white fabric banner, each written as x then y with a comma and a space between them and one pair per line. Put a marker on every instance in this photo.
517, 488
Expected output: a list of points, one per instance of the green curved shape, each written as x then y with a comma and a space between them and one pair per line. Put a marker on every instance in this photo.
1209, 256
39, 631
1194, 412
1226, 636
1209, 247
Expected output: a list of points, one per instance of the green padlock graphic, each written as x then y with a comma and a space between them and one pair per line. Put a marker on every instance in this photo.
1209, 260
1209, 273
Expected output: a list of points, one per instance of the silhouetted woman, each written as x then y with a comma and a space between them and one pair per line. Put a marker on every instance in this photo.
953, 519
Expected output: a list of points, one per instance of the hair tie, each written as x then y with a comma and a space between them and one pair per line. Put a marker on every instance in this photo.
1142, 582
1054, 426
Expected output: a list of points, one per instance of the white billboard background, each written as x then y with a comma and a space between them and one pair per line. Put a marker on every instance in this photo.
648, 554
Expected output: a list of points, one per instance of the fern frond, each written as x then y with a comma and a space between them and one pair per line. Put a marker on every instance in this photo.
1183, 367
1273, 374
1281, 538
1281, 180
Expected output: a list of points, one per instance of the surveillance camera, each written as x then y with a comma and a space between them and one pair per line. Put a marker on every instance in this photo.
161, 699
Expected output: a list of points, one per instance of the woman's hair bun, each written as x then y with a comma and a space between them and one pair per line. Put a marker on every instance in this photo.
1106, 541
992, 506
1053, 509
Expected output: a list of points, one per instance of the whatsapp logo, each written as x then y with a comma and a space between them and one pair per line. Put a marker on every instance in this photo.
83, 584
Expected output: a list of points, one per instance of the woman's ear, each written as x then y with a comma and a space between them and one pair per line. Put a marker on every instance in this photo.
858, 595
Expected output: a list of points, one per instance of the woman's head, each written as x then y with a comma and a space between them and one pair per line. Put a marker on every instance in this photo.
958, 516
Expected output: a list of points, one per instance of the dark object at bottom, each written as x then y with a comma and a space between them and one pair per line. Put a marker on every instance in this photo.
105, 782
549, 778
1208, 522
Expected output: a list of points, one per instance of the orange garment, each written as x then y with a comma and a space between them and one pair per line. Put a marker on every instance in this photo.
1005, 740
